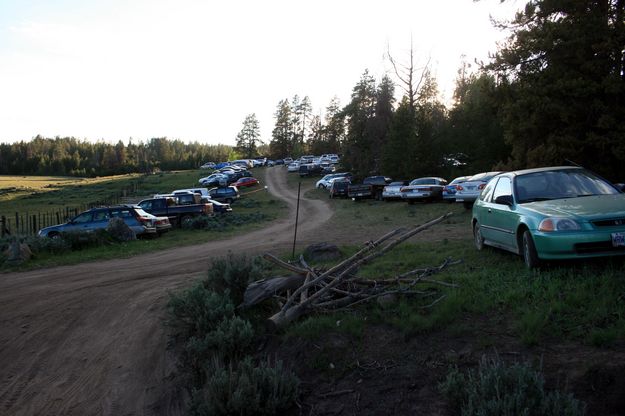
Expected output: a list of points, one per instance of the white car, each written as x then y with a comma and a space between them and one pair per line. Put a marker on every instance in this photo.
468, 191
293, 167
213, 178
326, 181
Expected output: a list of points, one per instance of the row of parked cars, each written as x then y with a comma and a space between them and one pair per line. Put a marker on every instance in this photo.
153, 216
548, 213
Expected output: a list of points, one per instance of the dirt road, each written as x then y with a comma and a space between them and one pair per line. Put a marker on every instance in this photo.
89, 339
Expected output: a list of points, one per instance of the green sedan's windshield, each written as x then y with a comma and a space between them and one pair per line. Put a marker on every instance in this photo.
557, 184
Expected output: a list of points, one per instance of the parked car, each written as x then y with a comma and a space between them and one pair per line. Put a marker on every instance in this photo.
371, 187
393, 190
288, 160
338, 187
227, 194
162, 224
324, 183
218, 207
199, 191
208, 165
449, 193
293, 167
468, 191
246, 182
215, 177
309, 169
550, 213
98, 218
424, 189
178, 208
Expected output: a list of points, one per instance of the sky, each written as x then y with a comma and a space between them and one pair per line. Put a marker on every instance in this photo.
193, 70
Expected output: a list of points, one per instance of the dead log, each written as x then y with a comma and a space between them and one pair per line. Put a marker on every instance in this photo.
262, 290
328, 282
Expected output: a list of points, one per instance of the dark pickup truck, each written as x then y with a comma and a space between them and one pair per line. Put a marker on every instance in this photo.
371, 187
178, 208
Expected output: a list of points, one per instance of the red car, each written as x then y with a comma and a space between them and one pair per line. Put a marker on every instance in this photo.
243, 182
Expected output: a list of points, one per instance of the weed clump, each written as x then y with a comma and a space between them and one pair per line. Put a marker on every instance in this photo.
214, 344
498, 389
245, 388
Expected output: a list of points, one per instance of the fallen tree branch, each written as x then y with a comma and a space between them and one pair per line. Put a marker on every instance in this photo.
339, 287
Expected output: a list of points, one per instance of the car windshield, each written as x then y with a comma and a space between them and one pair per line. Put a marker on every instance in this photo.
558, 184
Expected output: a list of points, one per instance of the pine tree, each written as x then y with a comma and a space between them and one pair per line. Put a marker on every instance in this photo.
563, 70
248, 138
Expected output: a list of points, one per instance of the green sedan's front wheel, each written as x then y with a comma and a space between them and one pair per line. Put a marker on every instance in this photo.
530, 257
477, 237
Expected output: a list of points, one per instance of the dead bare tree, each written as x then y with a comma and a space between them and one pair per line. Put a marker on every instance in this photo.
308, 289
411, 77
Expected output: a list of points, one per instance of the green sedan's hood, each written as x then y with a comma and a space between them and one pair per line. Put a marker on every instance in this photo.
584, 208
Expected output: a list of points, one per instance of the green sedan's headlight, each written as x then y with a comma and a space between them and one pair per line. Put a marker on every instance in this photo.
558, 224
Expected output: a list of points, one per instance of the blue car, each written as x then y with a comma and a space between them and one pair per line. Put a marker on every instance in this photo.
136, 218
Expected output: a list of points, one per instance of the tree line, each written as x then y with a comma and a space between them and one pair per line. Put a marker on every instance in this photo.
73, 157
554, 93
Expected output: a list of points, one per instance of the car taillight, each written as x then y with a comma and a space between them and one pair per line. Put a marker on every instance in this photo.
402, 189
459, 188
482, 185
144, 220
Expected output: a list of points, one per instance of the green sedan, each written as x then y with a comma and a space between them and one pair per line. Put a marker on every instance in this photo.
550, 213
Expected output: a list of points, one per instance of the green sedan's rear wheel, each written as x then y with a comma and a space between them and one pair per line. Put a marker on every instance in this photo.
477, 237
530, 257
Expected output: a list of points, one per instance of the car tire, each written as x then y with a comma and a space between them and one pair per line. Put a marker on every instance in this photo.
478, 240
530, 257
185, 221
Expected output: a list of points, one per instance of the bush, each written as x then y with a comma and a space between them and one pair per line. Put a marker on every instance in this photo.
234, 273
223, 222
245, 389
229, 341
81, 240
48, 245
198, 311
497, 389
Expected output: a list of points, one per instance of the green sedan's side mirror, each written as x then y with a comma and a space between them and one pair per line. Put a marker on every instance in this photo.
504, 200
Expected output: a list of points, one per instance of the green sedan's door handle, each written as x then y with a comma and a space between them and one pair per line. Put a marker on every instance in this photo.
489, 211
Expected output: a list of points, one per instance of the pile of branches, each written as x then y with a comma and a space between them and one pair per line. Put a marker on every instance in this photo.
307, 289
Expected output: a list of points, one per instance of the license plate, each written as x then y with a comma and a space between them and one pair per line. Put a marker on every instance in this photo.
618, 239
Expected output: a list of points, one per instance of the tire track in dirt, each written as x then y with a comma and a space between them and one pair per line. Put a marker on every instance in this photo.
89, 339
